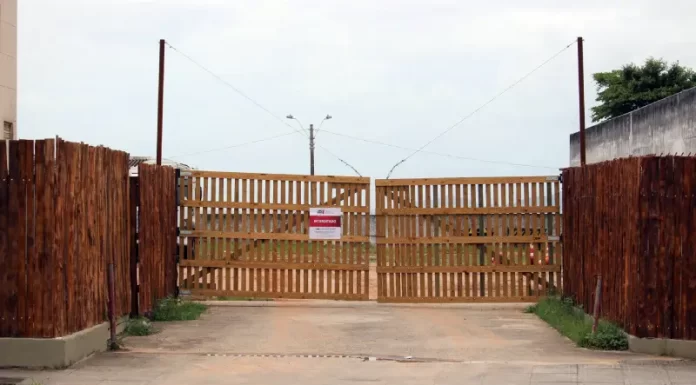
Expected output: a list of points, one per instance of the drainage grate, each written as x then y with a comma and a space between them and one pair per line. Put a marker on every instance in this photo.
12, 381
281, 355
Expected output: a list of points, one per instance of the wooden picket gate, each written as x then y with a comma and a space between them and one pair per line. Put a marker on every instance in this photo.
246, 235
468, 239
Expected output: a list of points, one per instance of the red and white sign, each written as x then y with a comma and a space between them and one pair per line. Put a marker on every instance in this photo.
325, 223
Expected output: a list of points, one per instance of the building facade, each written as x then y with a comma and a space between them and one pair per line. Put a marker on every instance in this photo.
8, 68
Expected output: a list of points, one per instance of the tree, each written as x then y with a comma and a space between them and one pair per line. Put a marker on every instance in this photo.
632, 87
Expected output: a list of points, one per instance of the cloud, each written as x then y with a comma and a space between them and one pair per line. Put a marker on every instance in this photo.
394, 71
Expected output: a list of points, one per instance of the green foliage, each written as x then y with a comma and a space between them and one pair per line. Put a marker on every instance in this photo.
608, 337
570, 321
174, 309
139, 326
631, 87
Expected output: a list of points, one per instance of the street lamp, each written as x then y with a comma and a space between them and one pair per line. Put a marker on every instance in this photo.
311, 138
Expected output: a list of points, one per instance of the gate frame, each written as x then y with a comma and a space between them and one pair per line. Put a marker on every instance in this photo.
405, 207
273, 273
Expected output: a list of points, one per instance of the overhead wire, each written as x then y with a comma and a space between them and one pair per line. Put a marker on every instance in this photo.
257, 104
472, 113
236, 145
439, 153
307, 133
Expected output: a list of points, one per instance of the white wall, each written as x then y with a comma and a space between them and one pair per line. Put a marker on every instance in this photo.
8, 63
665, 127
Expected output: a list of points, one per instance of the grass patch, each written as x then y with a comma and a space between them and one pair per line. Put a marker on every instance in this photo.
139, 326
569, 321
174, 309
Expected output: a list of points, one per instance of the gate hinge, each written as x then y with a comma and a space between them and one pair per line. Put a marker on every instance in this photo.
553, 178
185, 233
185, 173
554, 238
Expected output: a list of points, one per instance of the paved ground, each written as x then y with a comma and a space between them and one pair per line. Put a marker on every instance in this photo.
343, 343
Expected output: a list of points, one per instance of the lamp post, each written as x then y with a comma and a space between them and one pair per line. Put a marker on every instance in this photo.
312, 137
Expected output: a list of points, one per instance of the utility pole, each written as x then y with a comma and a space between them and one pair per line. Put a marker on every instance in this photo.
311, 149
581, 92
312, 137
160, 102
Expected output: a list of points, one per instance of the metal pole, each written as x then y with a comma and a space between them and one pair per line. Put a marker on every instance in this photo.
597, 304
482, 252
436, 247
311, 149
581, 94
160, 102
112, 307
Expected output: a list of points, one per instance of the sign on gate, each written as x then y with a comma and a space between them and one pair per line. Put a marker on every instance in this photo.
325, 223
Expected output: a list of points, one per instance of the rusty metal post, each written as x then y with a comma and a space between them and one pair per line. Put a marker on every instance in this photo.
597, 304
581, 95
481, 247
112, 307
160, 102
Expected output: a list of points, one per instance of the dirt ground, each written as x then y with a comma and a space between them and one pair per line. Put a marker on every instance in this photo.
325, 342
440, 332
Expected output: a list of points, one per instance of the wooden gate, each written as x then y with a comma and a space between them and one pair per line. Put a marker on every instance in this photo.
468, 239
246, 235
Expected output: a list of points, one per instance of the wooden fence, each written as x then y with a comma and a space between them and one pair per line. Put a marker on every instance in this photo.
157, 238
247, 235
63, 218
633, 221
467, 239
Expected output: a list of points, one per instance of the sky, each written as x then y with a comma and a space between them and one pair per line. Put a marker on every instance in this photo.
398, 72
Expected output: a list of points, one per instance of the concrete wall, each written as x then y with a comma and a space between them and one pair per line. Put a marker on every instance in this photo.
8, 65
664, 127
56, 353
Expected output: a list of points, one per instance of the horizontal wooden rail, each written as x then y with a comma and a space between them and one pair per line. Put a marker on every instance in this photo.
466, 240
473, 210
279, 177
474, 180
268, 206
260, 294
470, 269
456, 299
265, 236
274, 265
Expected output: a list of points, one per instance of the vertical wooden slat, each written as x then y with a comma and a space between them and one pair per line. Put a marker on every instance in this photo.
7, 279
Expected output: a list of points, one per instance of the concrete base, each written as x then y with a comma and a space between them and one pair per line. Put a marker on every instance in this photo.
56, 353
663, 347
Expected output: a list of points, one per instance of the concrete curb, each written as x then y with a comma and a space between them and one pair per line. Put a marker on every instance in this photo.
655, 346
366, 304
663, 347
59, 352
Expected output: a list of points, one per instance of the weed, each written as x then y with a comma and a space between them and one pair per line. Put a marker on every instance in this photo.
608, 337
174, 309
530, 309
563, 316
139, 326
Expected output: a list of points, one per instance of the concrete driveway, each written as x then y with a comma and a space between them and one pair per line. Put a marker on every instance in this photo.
295, 342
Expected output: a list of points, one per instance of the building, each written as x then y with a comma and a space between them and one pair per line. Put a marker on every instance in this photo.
8, 68
667, 126
134, 161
